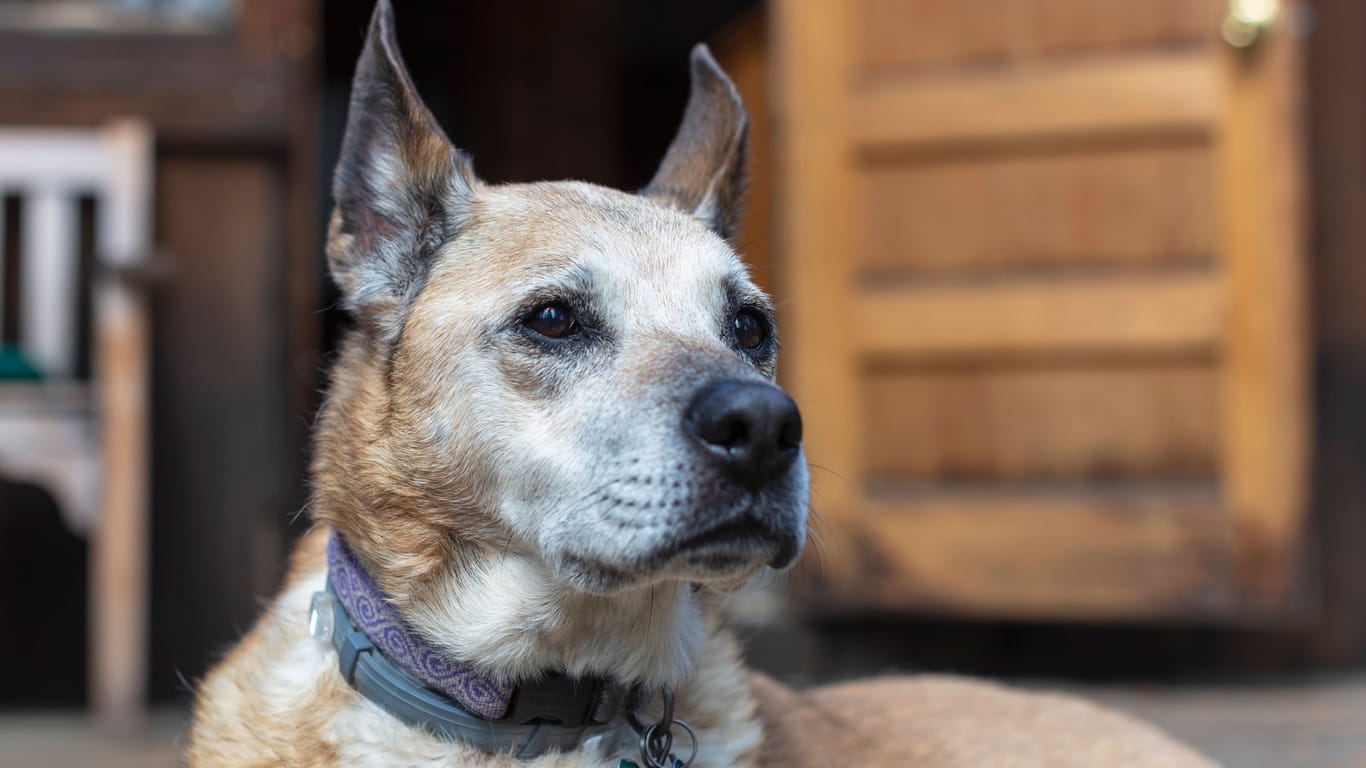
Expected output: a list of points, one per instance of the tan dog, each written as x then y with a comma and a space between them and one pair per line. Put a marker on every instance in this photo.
553, 445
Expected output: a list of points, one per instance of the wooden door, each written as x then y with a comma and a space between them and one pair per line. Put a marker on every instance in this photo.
1041, 270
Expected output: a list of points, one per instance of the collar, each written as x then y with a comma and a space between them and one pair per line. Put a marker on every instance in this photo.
397, 669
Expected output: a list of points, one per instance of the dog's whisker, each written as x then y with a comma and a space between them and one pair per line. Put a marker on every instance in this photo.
818, 518
833, 473
304, 511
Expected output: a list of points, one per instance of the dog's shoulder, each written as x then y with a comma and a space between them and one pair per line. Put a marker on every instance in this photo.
271, 701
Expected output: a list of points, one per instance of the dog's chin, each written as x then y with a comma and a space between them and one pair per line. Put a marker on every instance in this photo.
705, 560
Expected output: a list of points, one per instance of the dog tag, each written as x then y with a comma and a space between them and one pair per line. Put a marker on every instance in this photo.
321, 617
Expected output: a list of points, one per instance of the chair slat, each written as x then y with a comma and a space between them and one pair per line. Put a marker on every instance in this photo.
49, 280
4, 276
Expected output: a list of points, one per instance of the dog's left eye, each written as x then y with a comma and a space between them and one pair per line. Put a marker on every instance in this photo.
553, 320
751, 329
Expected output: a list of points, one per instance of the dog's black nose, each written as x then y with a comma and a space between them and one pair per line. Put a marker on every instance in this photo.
753, 428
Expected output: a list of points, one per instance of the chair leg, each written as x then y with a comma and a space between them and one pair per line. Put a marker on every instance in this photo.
119, 568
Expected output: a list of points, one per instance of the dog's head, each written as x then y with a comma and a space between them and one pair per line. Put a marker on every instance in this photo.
581, 374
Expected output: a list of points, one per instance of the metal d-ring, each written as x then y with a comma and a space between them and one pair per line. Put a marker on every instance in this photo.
657, 739
659, 756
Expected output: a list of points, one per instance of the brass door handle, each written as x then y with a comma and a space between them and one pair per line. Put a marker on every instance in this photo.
1247, 20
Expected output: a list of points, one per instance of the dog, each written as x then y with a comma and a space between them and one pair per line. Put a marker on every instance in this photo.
551, 447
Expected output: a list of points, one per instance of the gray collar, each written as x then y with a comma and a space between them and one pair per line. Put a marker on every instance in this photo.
535, 724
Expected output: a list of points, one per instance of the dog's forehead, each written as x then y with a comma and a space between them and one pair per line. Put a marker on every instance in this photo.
639, 253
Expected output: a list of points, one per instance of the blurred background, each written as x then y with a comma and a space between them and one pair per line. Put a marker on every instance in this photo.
1070, 292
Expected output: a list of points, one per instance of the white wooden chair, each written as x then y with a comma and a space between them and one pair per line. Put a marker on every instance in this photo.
87, 441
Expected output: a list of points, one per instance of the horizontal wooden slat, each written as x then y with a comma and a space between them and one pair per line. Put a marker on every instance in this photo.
1005, 211
1074, 26
1113, 313
1131, 94
905, 35
62, 158
901, 35
1102, 420
1140, 552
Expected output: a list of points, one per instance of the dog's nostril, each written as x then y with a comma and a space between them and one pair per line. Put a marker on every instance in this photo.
728, 432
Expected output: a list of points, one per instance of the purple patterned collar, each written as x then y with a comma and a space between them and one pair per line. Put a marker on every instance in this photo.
372, 614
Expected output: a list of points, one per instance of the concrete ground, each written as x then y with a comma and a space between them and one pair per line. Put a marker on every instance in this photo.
1307, 724
69, 740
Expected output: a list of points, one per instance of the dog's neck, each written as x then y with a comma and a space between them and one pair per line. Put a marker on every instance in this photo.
514, 621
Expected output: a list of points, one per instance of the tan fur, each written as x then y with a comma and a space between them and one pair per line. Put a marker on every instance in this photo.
528, 505
936, 721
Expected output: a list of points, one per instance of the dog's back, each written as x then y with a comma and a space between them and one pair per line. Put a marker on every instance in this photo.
934, 721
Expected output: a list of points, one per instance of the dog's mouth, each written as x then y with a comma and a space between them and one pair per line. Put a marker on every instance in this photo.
734, 543
719, 551
726, 535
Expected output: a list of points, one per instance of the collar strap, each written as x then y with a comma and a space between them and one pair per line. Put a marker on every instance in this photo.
390, 664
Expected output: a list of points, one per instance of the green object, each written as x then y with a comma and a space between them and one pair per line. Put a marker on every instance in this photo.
627, 764
15, 365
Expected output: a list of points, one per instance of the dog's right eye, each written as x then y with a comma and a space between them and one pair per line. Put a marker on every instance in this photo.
553, 320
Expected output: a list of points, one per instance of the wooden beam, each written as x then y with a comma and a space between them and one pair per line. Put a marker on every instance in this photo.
211, 95
1125, 313
816, 208
1133, 94
1266, 389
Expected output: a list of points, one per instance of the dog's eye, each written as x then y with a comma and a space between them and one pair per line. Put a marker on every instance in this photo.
553, 320
751, 329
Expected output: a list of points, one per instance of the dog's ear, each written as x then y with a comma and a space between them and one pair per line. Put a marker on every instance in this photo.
703, 173
401, 189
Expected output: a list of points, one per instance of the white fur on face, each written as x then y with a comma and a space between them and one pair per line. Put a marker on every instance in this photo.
580, 451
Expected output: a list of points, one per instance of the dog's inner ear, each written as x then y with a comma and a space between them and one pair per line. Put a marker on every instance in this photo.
401, 189
703, 172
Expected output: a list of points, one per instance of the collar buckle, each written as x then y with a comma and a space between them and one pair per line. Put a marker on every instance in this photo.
558, 698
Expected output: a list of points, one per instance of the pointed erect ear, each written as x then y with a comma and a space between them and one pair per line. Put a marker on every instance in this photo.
401, 190
703, 172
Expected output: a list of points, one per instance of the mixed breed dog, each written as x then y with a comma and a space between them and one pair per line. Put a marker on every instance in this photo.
550, 449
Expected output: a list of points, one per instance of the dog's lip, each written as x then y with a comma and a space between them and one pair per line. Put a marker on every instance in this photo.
736, 544
740, 530
739, 540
